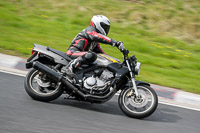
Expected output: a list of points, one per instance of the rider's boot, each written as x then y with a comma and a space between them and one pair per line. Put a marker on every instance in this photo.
70, 67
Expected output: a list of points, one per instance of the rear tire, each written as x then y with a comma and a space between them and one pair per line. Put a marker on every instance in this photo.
39, 95
138, 108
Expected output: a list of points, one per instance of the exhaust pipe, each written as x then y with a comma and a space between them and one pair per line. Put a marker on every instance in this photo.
59, 78
52, 74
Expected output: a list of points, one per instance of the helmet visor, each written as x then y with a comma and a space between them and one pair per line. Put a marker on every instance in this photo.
105, 27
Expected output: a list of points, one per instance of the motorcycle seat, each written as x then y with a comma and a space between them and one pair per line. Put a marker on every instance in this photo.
62, 54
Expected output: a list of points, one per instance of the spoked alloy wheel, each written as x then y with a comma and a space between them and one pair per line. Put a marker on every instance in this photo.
39, 87
138, 107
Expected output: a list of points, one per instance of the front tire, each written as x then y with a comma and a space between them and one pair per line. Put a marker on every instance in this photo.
140, 107
47, 92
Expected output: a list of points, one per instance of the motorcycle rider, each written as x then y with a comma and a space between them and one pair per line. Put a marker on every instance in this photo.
85, 45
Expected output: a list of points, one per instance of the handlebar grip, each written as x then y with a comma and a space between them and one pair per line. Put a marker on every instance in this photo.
125, 52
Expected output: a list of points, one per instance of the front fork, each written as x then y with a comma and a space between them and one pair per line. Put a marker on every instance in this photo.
132, 79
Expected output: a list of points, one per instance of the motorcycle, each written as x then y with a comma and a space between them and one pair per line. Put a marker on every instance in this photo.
96, 82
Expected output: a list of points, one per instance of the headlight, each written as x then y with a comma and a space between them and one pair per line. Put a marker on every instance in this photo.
137, 68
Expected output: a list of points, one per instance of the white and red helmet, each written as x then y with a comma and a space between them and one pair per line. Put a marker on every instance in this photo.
101, 23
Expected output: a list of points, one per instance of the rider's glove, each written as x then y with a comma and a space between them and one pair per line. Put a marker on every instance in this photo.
119, 45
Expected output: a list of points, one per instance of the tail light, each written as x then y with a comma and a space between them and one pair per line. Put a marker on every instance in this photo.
32, 51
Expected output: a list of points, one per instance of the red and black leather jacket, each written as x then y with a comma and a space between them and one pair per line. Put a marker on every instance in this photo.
88, 40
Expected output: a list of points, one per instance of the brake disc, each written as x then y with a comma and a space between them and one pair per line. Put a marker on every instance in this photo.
139, 101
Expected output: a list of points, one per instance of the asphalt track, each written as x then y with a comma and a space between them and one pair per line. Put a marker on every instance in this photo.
20, 114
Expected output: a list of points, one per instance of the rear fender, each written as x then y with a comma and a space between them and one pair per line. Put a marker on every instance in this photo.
43, 49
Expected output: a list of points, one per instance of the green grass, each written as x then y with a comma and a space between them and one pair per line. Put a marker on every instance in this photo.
164, 35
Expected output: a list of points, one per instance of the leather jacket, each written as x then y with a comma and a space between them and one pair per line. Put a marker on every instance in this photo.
88, 40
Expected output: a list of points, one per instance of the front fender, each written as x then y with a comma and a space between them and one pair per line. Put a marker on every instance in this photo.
138, 82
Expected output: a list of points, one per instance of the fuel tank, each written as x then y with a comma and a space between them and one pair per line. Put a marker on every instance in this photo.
105, 60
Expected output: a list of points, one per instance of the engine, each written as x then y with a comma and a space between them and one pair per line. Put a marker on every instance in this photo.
98, 83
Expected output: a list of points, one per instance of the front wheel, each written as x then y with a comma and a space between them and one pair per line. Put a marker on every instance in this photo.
138, 107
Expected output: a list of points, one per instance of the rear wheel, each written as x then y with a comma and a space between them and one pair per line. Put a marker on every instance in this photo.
138, 107
40, 87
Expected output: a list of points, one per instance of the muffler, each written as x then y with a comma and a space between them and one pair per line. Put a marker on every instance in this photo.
46, 70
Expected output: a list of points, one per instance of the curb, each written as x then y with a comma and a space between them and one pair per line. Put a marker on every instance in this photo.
167, 95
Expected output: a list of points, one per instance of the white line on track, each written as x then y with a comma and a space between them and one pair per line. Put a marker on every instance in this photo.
180, 106
22, 75
176, 105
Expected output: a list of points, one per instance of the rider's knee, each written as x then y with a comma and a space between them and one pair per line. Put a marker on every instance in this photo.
90, 57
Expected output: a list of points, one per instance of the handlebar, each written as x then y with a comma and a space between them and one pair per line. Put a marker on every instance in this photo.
125, 52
